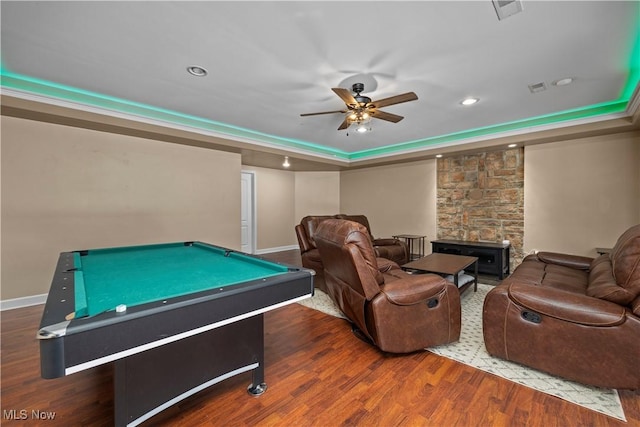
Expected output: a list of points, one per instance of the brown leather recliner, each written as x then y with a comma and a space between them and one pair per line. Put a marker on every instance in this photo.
392, 249
305, 232
397, 311
571, 316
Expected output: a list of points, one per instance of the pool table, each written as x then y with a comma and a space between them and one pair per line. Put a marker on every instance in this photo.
173, 318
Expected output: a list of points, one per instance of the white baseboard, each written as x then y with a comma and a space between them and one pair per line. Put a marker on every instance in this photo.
10, 304
276, 249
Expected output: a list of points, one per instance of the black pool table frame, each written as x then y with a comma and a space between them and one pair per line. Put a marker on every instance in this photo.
167, 350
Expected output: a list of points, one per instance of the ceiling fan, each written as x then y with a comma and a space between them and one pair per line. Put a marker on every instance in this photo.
360, 108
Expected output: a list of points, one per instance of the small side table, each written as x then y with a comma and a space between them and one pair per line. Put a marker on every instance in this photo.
415, 243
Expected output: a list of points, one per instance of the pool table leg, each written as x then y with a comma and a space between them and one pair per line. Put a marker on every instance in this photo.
257, 390
258, 386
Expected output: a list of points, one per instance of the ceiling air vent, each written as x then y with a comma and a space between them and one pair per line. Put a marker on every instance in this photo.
506, 8
537, 87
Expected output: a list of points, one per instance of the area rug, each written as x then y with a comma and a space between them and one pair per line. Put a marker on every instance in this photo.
470, 350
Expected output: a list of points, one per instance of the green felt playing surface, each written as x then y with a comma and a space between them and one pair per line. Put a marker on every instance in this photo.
107, 278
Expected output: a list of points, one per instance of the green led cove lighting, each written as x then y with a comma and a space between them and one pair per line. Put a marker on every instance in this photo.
53, 90
58, 91
581, 113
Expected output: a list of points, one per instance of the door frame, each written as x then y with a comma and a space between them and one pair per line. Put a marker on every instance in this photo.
250, 200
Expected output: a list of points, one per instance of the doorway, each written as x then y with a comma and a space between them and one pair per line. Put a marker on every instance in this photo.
247, 212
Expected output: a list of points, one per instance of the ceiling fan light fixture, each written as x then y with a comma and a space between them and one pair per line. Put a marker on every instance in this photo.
361, 129
359, 116
360, 109
469, 101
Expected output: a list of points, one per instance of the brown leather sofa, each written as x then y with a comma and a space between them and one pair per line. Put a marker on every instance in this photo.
392, 249
572, 316
397, 311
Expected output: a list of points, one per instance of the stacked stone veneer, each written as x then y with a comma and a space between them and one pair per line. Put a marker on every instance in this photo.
481, 198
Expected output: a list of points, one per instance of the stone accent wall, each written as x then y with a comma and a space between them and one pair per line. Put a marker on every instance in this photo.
481, 198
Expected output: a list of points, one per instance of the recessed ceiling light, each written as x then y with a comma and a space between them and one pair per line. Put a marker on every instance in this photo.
286, 163
563, 82
438, 156
197, 71
469, 101
512, 145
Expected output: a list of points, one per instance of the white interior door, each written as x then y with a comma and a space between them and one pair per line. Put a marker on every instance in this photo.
247, 221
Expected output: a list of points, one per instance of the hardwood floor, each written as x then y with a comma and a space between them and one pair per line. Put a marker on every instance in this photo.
318, 373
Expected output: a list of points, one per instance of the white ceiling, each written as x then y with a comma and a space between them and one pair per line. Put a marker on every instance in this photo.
270, 61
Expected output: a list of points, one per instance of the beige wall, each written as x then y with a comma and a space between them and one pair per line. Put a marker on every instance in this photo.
66, 188
284, 197
397, 199
581, 194
317, 193
274, 207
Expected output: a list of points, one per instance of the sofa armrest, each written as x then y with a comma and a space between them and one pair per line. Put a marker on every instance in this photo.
385, 265
386, 242
303, 242
414, 289
566, 306
571, 261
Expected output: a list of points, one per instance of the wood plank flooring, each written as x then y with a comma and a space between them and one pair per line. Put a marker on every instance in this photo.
318, 373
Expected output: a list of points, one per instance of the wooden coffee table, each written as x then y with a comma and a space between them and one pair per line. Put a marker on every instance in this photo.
446, 264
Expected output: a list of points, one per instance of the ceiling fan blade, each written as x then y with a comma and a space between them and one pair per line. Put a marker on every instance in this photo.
405, 97
346, 96
377, 114
324, 112
345, 124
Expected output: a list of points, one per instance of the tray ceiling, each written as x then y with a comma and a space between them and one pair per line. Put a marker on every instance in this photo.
268, 62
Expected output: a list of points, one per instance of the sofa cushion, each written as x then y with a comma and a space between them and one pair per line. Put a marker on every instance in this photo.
531, 271
534, 271
625, 260
566, 278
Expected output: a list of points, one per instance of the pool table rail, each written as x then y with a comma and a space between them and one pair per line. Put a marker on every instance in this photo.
110, 336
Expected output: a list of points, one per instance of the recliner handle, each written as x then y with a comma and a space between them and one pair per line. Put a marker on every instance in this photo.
531, 316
